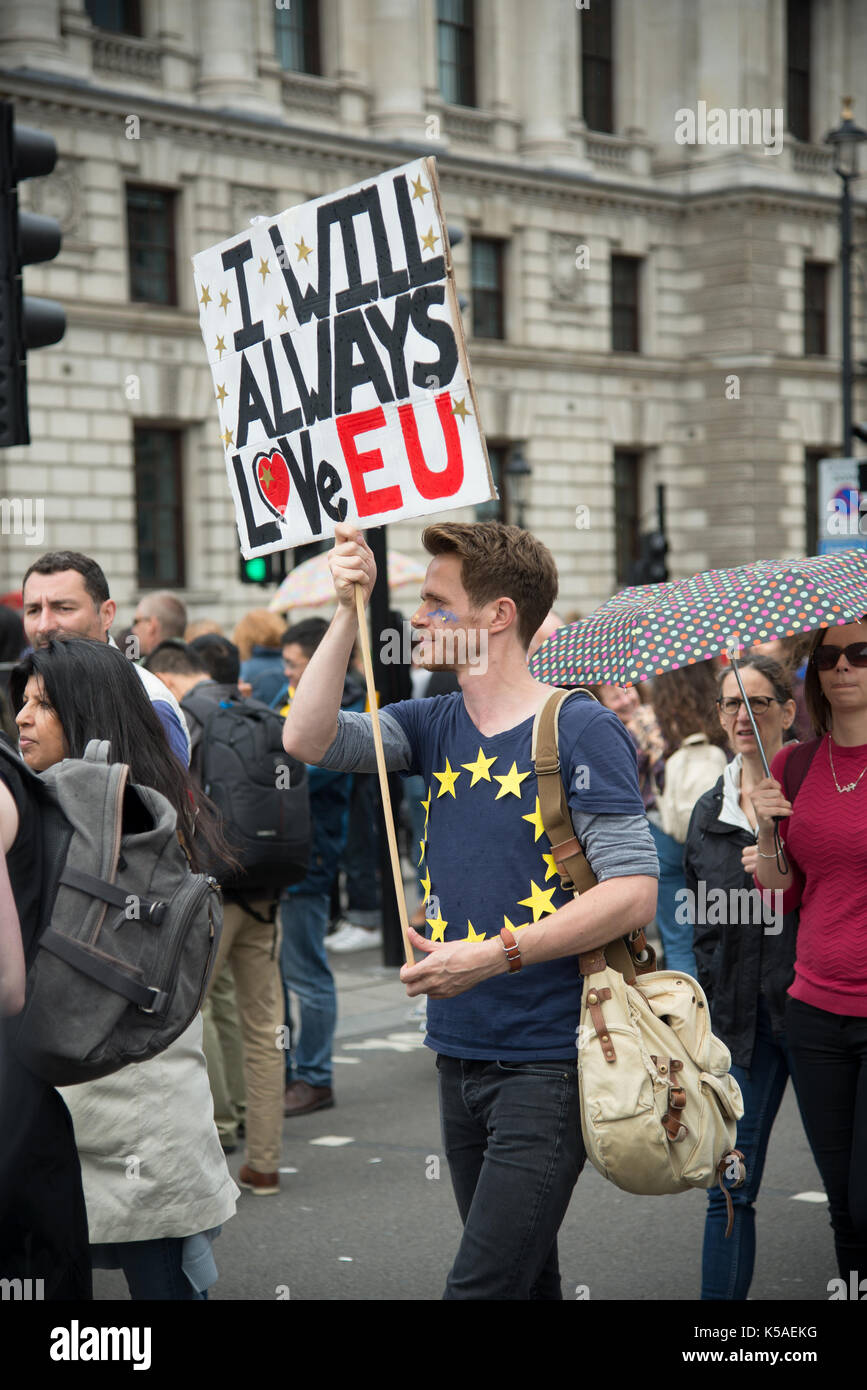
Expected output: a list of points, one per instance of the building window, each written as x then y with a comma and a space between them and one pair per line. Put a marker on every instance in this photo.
625, 273
487, 288
116, 16
815, 309
150, 217
456, 51
597, 70
159, 508
798, 68
296, 37
627, 515
497, 509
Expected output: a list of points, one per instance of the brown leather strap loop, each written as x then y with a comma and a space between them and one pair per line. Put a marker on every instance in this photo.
595, 999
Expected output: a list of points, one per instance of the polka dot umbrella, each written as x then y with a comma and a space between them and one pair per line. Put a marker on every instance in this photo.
642, 632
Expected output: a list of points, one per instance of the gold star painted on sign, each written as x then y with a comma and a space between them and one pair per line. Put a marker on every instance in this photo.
227, 438
511, 925
511, 782
480, 768
264, 269
428, 239
437, 927
460, 409
536, 822
425, 884
426, 805
421, 845
222, 393
206, 295
472, 934
266, 477
282, 310
225, 301
303, 251
551, 870
220, 348
447, 780
419, 190
539, 900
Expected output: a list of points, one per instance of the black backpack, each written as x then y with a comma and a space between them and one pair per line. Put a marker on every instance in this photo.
260, 792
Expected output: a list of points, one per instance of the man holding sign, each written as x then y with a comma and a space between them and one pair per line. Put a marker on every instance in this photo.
503, 1025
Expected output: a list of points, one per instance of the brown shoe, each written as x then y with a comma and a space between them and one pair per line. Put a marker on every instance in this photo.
260, 1184
301, 1099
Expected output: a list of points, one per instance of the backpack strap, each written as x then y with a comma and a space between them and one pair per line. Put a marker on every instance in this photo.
576, 875
97, 751
796, 767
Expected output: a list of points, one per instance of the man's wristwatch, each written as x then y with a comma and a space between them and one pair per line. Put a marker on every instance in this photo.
510, 946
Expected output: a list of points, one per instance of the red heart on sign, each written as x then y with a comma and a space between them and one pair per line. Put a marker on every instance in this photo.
272, 480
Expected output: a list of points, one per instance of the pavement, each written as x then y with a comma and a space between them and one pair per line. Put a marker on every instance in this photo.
366, 1210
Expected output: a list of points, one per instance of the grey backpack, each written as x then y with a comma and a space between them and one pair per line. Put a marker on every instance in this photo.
127, 933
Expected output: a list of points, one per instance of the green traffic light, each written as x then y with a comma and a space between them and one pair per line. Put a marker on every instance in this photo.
257, 569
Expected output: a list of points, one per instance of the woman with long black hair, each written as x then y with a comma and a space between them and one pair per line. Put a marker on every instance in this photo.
155, 1192
819, 790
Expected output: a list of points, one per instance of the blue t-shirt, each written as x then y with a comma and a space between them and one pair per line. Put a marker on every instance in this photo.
486, 862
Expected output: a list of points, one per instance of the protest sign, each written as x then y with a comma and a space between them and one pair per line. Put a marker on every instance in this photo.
339, 364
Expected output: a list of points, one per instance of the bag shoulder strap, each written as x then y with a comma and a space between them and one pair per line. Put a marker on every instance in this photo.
796, 767
576, 874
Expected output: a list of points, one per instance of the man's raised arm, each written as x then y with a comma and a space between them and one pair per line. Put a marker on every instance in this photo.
311, 724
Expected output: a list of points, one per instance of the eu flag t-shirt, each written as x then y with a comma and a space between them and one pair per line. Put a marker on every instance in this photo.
486, 862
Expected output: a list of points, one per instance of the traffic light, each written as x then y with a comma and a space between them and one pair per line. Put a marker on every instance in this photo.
25, 239
263, 569
655, 566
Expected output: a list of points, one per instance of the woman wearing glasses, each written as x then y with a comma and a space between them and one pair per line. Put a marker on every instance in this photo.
824, 831
744, 956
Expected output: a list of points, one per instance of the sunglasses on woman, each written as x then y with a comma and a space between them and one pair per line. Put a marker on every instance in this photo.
759, 704
827, 656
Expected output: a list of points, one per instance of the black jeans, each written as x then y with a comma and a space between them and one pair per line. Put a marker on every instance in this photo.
512, 1137
829, 1067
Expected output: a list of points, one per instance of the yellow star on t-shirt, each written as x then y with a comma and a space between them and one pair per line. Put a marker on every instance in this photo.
421, 845
426, 805
472, 934
447, 780
539, 900
551, 870
511, 782
536, 822
437, 927
479, 768
425, 884
511, 925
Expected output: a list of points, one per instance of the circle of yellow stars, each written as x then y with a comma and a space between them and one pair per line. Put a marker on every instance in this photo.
538, 902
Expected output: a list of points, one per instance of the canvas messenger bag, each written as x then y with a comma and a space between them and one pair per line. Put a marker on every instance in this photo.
659, 1107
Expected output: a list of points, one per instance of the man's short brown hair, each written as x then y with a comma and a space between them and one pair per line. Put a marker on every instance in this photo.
499, 561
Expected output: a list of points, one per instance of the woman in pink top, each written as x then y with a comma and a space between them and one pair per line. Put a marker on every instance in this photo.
825, 838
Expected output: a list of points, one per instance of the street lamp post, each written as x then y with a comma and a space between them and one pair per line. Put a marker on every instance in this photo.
845, 140
518, 473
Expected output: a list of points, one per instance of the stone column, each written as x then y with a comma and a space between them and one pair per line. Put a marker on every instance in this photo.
542, 37
228, 66
30, 34
396, 68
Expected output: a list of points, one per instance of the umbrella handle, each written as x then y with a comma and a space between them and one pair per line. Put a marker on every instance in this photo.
782, 863
364, 638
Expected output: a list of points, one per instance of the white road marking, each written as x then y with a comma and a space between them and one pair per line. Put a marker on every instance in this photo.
287, 1170
395, 1042
333, 1141
809, 1197
350, 1061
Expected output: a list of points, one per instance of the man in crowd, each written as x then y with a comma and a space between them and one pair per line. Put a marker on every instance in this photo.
64, 591
248, 945
158, 617
503, 1000
305, 907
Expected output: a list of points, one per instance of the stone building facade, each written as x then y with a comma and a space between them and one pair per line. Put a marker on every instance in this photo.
641, 309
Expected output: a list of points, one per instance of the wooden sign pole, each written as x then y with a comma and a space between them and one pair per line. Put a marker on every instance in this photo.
364, 637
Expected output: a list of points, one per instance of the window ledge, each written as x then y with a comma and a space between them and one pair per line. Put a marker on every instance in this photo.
131, 56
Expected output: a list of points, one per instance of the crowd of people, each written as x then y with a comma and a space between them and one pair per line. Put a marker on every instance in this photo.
261, 744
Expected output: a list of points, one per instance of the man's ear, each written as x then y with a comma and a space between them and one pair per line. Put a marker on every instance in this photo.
505, 614
107, 615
